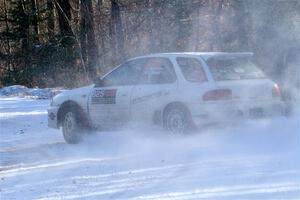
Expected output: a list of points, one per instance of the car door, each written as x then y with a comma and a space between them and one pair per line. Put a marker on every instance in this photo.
109, 102
197, 80
156, 88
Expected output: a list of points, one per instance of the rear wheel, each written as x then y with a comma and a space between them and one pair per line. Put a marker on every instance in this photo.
177, 120
71, 128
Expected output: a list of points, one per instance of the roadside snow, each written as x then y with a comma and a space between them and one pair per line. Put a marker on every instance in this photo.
22, 91
253, 160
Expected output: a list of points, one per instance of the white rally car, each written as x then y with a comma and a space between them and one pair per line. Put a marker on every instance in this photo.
178, 91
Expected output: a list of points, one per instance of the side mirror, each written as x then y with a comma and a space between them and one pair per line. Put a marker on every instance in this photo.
99, 82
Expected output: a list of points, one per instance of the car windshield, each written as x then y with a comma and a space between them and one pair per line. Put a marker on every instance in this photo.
234, 68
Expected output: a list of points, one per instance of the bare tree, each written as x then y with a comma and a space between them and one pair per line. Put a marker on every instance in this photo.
8, 48
64, 16
116, 31
183, 24
34, 15
89, 47
23, 26
50, 18
217, 8
240, 23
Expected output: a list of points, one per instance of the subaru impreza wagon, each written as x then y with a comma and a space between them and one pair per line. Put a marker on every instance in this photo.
177, 91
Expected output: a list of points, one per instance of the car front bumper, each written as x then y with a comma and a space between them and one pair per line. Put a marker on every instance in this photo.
211, 113
52, 117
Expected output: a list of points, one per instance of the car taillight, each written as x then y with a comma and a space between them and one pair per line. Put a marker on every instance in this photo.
276, 91
219, 94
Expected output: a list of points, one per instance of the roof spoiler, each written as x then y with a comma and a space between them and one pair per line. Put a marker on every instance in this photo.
232, 55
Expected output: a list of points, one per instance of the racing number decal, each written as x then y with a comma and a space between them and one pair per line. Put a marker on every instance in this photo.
104, 96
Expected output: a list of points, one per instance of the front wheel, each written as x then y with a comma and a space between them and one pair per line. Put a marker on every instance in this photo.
71, 128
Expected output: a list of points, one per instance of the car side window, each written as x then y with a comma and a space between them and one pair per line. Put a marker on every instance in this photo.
191, 69
126, 74
158, 71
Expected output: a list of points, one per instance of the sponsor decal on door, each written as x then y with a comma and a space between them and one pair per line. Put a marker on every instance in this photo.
104, 96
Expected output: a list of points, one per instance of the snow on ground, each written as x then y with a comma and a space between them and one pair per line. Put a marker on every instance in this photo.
34, 93
253, 160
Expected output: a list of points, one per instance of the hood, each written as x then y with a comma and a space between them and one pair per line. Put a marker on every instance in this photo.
73, 94
79, 91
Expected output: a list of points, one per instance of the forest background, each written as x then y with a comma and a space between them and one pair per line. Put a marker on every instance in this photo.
50, 43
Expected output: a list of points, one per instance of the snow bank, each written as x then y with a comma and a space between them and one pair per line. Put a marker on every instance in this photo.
36, 93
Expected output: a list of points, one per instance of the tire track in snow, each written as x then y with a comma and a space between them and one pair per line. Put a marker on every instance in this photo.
118, 184
231, 191
16, 170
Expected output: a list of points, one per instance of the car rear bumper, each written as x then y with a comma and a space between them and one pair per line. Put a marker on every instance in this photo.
52, 117
211, 113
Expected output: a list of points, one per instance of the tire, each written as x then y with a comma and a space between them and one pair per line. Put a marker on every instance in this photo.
71, 128
177, 120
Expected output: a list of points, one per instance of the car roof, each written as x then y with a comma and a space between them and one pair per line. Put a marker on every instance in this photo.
204, 55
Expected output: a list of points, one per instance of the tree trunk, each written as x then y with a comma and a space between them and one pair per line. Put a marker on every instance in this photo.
217, 8
183, 25
24, 27
158, 19
117, 34
150, 22
83, 39
34, 15
240, 20
87, 38
99, 5
64, 17
8, 48
50, 19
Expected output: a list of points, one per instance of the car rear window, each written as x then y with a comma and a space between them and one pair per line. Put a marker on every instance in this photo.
223, 69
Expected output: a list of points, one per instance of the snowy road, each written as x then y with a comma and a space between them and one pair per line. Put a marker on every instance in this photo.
253, 160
